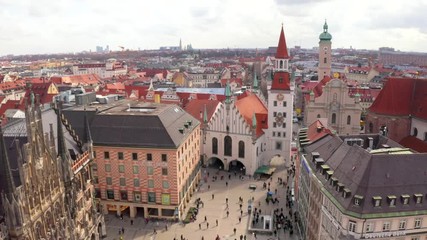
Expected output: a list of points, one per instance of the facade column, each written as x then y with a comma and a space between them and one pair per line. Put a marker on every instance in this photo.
146, 212
132, 211
118, 210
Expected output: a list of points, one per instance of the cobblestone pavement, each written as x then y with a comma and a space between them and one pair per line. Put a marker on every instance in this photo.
213, 209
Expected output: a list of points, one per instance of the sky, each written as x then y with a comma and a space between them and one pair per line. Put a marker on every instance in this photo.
62, 26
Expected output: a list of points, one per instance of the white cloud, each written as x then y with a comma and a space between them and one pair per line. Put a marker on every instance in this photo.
46, 26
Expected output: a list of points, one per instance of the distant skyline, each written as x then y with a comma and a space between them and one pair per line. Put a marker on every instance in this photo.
61, 26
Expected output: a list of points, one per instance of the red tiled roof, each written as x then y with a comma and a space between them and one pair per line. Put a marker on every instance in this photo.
282, 49
402, 97
414, 143
248, 106
318, 89
196, 108
316, 131
281, 81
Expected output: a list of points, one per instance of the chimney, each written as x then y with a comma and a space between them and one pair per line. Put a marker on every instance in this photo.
371, 142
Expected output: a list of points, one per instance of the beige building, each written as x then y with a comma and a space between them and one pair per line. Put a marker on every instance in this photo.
341, 111
360, 187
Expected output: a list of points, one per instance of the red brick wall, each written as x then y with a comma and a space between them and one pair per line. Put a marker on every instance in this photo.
398, 126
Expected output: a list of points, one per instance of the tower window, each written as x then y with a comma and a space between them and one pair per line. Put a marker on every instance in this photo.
325, 60
281, 80
334, 118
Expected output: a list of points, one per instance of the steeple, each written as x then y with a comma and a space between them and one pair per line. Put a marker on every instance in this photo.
255, 83
7, 185
325, 36
205, 115
282, 49
228, 92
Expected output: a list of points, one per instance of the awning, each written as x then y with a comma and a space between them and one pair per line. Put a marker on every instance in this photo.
265, 170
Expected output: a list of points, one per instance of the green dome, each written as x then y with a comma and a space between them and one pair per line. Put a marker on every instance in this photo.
325, 36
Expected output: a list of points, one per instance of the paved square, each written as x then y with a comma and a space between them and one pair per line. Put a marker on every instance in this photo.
213, 209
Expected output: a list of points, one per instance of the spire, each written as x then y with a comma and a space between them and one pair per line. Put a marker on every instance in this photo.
205, 115
325, 36
282, 49
255, 84
62, 148
228, 93
254, 121
87, 134
6, 180
151, 87
325, 27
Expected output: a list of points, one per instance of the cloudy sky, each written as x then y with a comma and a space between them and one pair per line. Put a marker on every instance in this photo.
54, 26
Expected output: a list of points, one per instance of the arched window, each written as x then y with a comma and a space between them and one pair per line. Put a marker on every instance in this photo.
348, 120
415, 132
214, 146
334, 118
325, 60
241, 149
318, 115
227, 146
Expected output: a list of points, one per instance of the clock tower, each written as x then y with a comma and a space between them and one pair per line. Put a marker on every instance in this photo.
280, 105
324, 67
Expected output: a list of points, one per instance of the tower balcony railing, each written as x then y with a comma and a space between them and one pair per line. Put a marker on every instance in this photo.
81, 161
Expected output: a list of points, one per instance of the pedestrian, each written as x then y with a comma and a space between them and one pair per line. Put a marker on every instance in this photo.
244, 237
241, 237
228, 213
206, 219
255, 235
200, 226
226, 200
240, 206
207, 225
166, 227
120, 231
240, 219
217, 222
154, 231
123, 230
226, 206
226, 183
234, 230
131, 222
229, 176
209, 186
241, 212
213, 196
275, 191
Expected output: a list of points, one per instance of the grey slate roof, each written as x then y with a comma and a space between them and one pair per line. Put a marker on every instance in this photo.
114, 125
371, 175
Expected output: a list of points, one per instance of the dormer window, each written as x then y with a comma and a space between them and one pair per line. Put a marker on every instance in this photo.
418, 198
334, 181
340, 187
391, 200
346, 193
377, 201
329, 174
357, 200
324, 168
405, 199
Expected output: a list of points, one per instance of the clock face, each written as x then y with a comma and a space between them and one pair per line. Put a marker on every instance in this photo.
325, 48
280, 97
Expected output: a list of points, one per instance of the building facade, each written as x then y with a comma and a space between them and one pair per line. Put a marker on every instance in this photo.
355, 188
147, 157
104, 70
341, 111
49, 194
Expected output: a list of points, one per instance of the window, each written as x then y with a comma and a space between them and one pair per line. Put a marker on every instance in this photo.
281, 78
107, 167
274, 134
348, 120
214, 146
284, 103
150, 170
318, 115
274, 124
110, 194
356, 201
165, 184
95, 180
124, 195
227, 146
134, 156
415, 238
151, 197
164, 157
351, 226
402, 225
122, 181
149, 157
284, 125
325, 60
120, 156
274, 114
377, 201
106, 155
135, 169
279, 134
415, 132
137, 196
391, 200
150, 183
109, 180
121, 168
275, 103
136, 182
166, 199
241, 149
284, 134
94, 167
386, 226
278, 145
418, 198
164, 171
369, 227
334, 118
405, 199
417, 223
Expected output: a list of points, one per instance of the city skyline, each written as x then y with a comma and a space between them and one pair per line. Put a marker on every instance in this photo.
73, 26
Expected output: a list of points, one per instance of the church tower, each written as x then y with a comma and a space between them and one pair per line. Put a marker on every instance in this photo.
280, 105
324, 68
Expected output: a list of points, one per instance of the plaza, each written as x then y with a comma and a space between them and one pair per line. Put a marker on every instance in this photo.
213, 209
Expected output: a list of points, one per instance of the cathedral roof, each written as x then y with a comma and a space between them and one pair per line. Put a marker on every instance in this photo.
196, 108
250, 105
